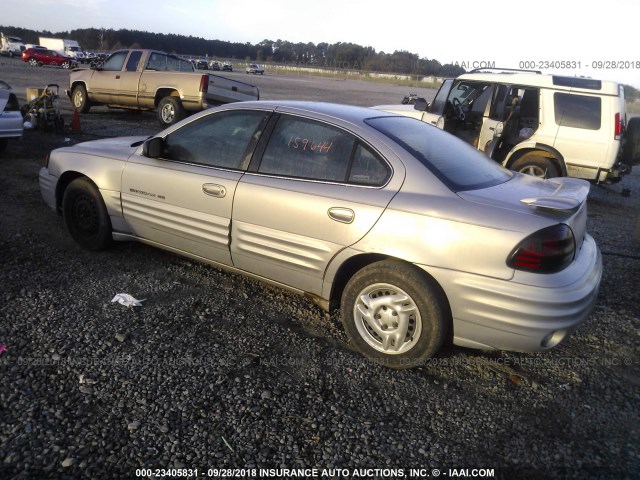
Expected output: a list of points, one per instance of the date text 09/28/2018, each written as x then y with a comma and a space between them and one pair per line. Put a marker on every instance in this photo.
575, 64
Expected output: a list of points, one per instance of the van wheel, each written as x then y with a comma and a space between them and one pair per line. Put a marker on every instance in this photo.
631, 147
536, 166
394, 314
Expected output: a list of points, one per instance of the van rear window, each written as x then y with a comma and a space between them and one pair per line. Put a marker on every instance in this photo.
577, 111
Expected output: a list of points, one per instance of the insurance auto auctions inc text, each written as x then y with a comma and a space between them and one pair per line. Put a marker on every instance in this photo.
360, 473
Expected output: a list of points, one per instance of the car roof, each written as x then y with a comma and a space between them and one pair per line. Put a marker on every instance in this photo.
350, 113
556, 82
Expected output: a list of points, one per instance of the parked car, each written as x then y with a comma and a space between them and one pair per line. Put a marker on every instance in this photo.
202, 65
255, 69
416, 236
214, 65
10, 116
37, 57
542, 125
227, 67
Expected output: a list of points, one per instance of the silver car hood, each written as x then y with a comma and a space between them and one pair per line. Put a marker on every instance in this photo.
120, 148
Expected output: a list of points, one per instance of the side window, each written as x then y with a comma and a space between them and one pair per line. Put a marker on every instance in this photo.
307, 149
368, 168
577, 111
114, 62
132, 63
155, 62
439, 102
218, 140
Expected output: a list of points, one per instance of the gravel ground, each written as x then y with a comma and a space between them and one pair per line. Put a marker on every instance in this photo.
216, 371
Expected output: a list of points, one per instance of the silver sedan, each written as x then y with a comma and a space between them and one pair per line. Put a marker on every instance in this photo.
416, 237
10, 116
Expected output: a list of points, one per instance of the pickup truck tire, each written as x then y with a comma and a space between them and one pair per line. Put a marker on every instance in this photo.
170, 111
79, 99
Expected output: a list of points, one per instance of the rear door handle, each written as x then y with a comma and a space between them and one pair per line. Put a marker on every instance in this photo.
342, 215
214, 190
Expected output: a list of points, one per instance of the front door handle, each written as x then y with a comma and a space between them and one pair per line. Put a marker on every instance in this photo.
214, 190
342, 215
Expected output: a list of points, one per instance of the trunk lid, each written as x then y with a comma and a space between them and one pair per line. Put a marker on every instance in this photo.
560, 200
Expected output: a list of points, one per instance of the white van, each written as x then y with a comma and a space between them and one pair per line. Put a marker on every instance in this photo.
542, 125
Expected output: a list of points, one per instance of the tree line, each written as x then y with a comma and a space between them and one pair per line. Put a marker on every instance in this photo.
341, 55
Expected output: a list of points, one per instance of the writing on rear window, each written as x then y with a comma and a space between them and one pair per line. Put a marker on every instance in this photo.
311, 145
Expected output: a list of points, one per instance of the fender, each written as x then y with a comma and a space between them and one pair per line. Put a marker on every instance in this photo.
542, 149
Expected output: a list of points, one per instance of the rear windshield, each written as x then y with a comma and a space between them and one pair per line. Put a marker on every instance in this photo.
457, 164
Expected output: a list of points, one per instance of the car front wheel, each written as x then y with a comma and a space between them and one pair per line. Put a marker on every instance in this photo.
33, 62
394, 314
85, 215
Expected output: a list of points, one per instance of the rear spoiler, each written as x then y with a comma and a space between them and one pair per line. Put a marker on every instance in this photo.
569, 196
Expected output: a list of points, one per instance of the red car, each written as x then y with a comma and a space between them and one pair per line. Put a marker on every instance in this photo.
37, 57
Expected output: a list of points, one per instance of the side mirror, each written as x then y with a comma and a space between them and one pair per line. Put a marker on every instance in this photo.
421, 104
153, 147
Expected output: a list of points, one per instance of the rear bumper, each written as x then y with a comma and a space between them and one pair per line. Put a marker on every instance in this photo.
489, 313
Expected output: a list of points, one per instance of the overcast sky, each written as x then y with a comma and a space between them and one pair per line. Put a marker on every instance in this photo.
462, 31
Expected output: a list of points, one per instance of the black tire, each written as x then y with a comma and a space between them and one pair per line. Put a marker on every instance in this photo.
536, 166
79, 99
631, 147
170, 111
85, 215
3, 144
402, 301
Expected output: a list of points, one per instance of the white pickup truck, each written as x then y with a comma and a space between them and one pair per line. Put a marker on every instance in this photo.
149, 79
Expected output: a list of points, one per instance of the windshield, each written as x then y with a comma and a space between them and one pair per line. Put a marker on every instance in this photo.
457, 164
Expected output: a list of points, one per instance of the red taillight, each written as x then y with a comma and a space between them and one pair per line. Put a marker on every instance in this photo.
204, 83
546, 251
618, 127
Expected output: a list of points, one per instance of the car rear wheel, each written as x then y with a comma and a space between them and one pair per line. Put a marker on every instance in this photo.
394, 314
170, 111
86, 216
79, 99
66, 65
536, 166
